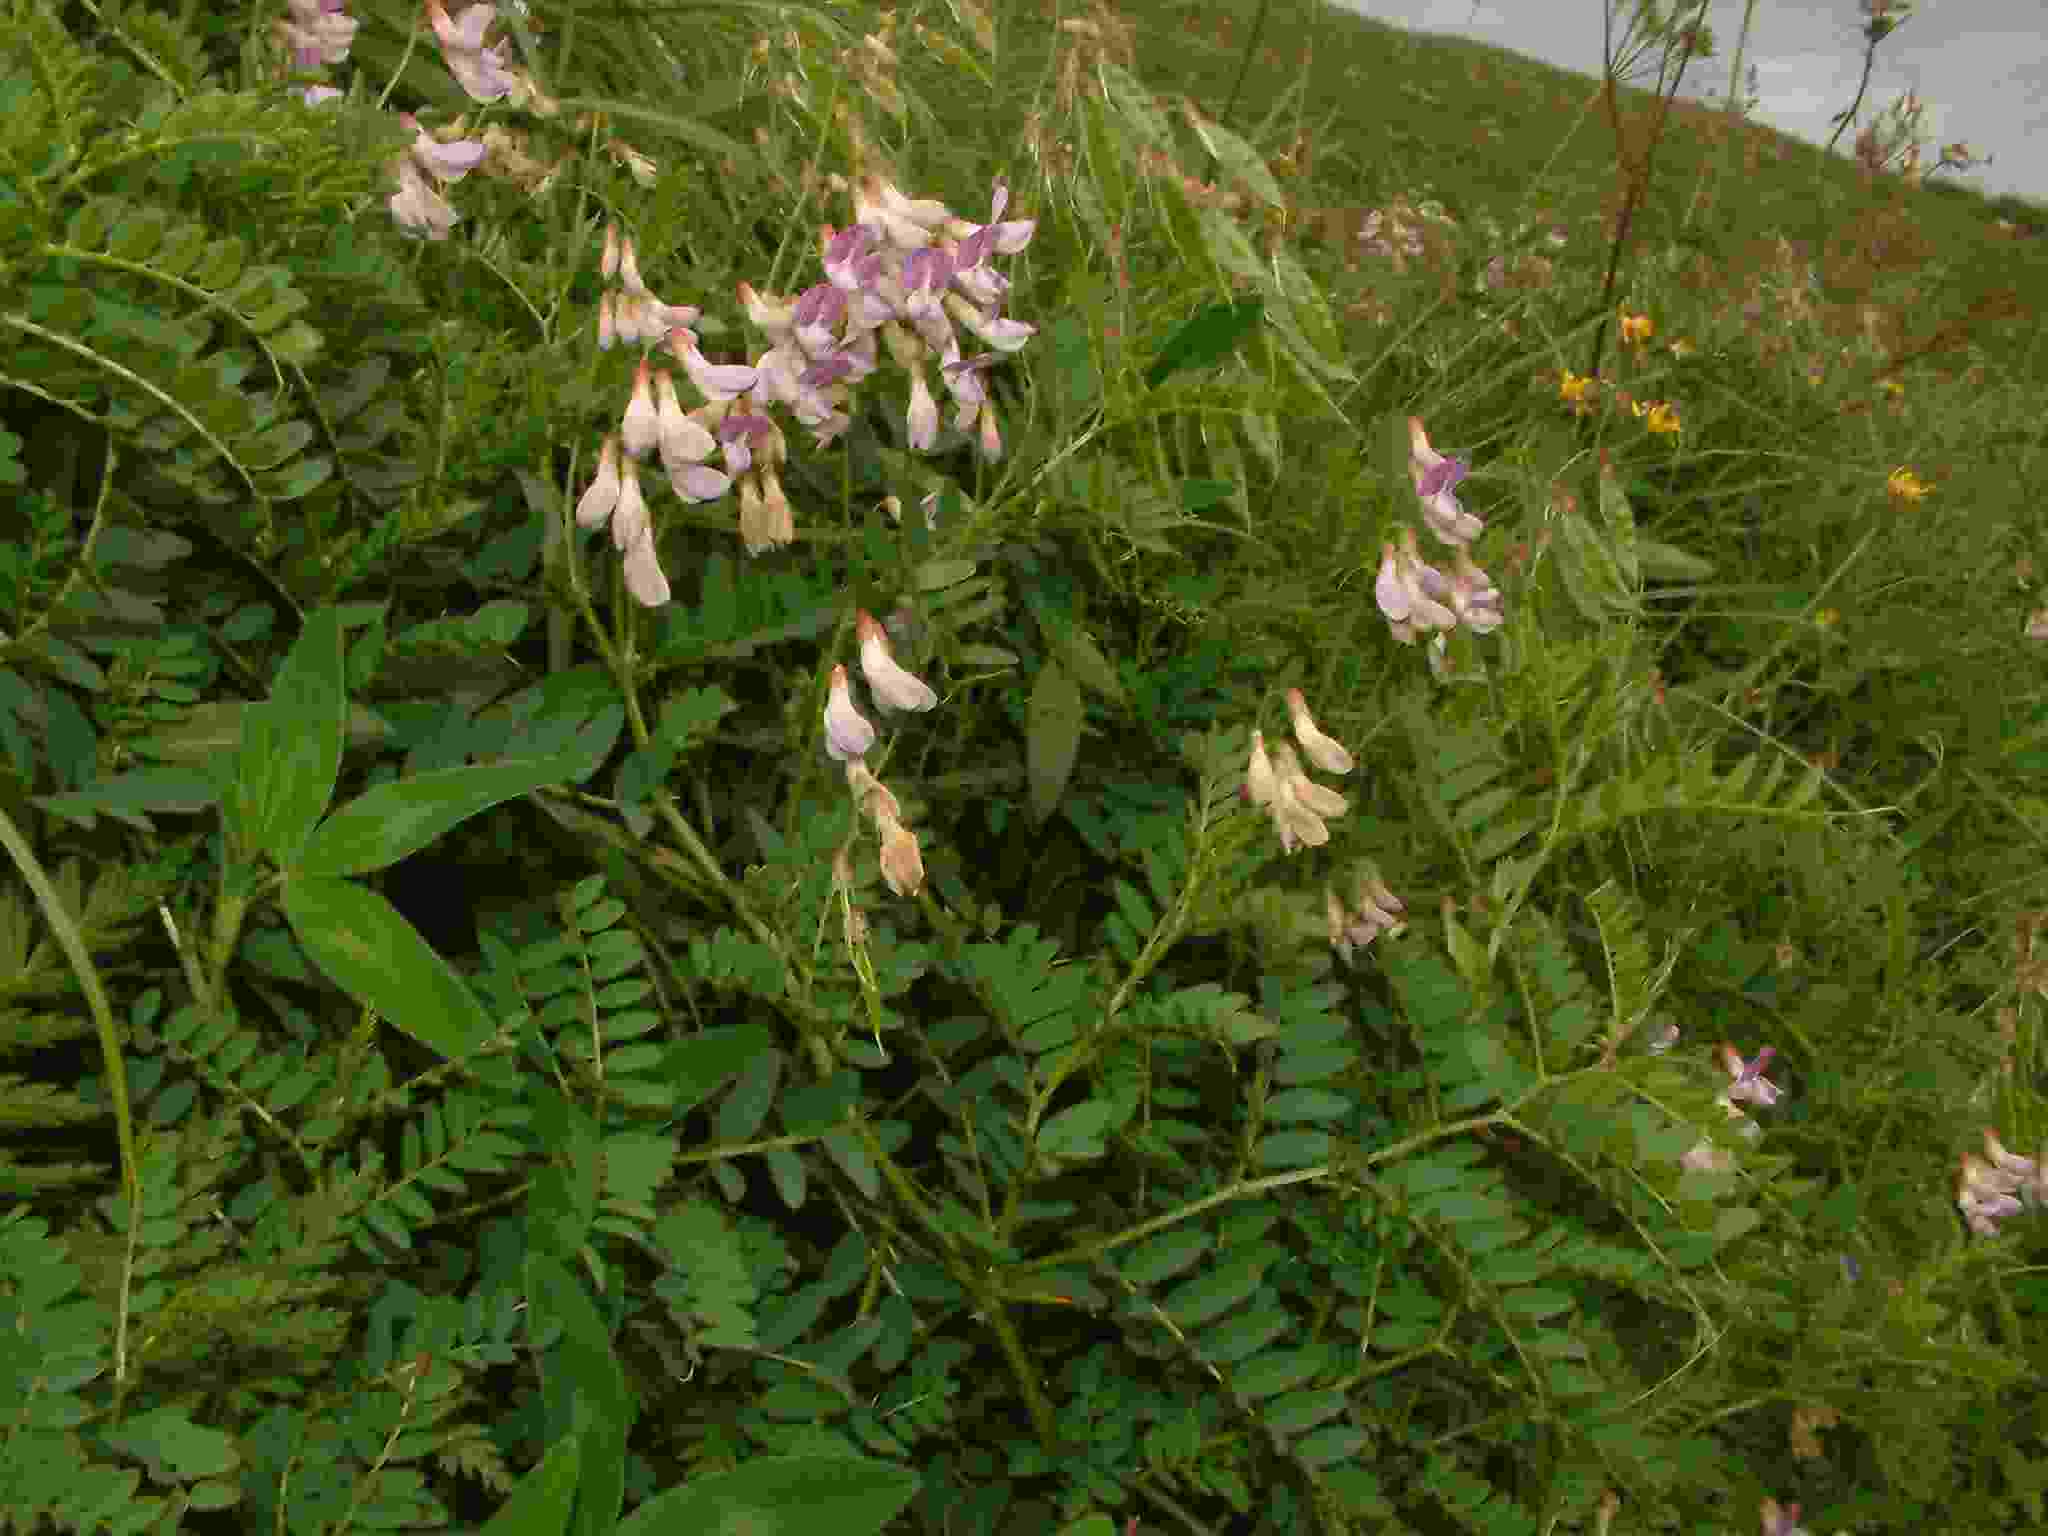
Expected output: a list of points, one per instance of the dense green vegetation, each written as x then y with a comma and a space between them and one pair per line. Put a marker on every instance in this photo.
1332, 826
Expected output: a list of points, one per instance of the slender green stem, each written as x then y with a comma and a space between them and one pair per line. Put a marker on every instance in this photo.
1244, 68
72, 942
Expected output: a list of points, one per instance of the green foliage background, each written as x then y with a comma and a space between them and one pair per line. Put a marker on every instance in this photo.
444, 1081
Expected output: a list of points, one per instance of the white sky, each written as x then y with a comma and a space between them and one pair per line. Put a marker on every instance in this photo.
1980, 66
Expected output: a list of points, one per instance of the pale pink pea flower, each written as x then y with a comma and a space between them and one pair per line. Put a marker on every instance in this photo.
478, 70
848, 735
640, 428
1436, 478
645, 579
893, 687
1325, 753
601, 499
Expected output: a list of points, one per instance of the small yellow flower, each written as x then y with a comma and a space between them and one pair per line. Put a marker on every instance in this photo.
1894, 387
1662, 413
1906, 486
1574, 387
1636, 327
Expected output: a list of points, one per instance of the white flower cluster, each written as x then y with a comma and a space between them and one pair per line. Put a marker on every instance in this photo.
902, 276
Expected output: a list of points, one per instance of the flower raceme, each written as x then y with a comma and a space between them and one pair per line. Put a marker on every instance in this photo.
899, 280
1379, 911
1275, 781
1999, 1184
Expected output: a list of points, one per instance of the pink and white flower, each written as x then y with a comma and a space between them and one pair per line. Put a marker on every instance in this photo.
848, 735
893, 687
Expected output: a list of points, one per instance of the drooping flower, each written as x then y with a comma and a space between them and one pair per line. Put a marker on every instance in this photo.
1474, 597
1300, 807
1380, 906
2026, 1169
417, 207
479, 70
902, 861
1258, 773
714, 381
686, 443
893, 687
640, 427
1636, 327
450, 161
1985, 1195
1325, 753
601, 498
848, 735
1436, 478
645, 579
1379, 911
317, 32
629, 518
870, 795
1411, 593
766, 521
1780, 1520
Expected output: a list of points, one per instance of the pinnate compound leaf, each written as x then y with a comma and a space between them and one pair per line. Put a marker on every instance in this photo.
362, 944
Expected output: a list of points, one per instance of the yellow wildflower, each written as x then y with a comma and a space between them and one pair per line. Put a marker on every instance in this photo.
1662, 413
1906, 486
1575, 387
1636, 327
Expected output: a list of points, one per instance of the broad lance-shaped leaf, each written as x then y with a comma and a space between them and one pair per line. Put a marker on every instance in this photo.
595, 1383
1053, 722
383, 825
362, 944
291, 746
540, 1504
782, 1496
1207, 336
1620, 518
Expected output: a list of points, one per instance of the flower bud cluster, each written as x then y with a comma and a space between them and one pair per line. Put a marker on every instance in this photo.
849, 736
1300, 807
1379, 911
1998, 1184
1414, 595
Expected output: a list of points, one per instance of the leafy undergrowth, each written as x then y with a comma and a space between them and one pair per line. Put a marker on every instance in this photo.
1327, 827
